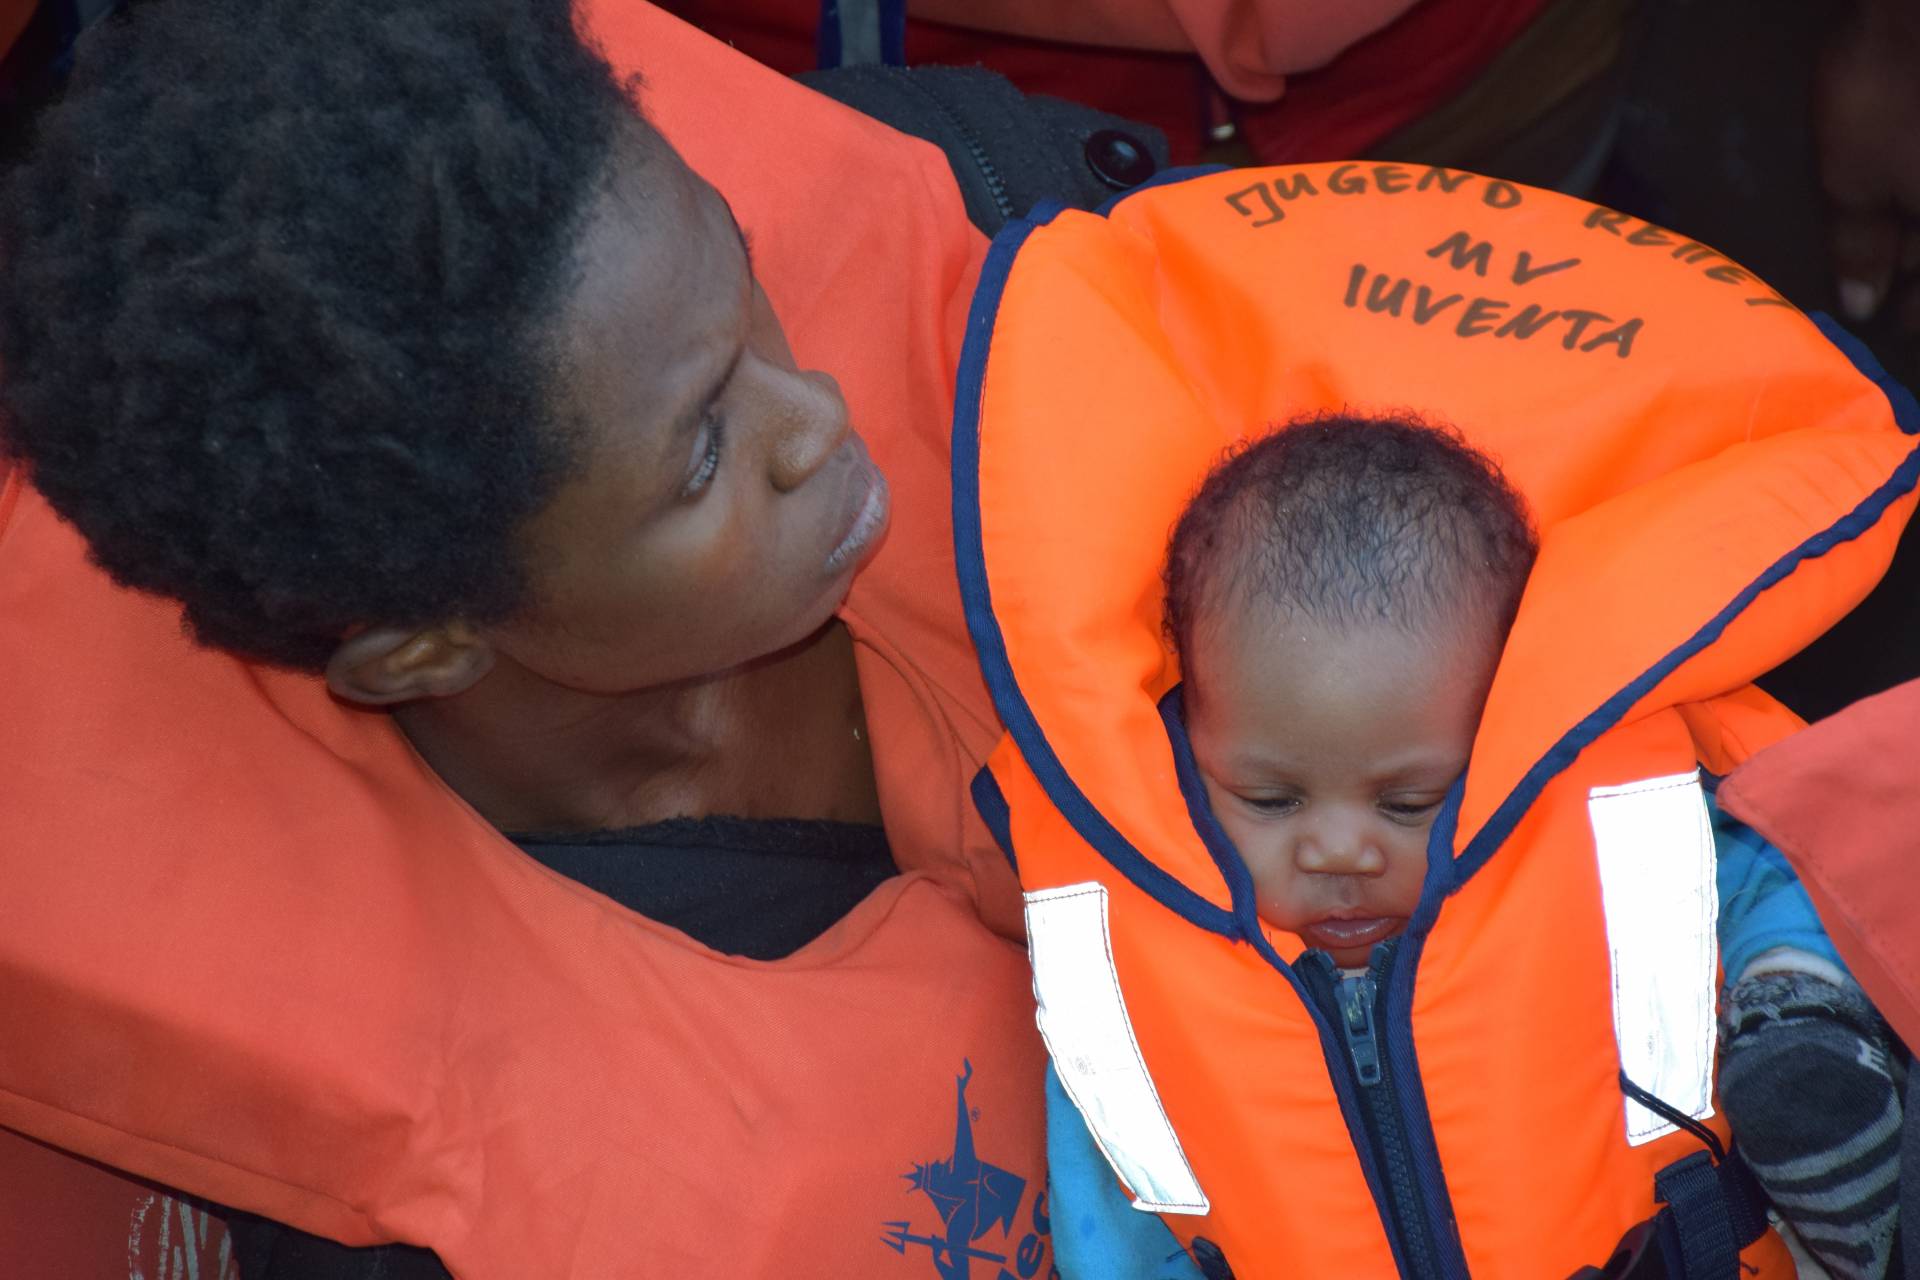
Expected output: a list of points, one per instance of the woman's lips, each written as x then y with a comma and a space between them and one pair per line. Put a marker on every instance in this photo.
1347, 935
870, 508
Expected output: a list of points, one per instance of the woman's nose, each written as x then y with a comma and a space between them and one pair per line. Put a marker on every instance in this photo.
810, 425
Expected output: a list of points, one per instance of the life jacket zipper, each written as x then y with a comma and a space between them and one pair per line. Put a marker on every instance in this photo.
1356, 1019
1353, 1004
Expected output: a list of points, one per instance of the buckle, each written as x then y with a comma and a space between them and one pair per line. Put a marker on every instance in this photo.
1637, 1257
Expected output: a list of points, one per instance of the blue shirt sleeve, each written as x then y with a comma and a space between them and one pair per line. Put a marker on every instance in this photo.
1097, 1233
1762, 902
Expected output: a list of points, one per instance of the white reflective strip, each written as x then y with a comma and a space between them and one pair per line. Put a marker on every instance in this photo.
1654, 841
1083, 1018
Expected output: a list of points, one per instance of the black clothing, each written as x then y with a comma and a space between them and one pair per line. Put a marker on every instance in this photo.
1008, 150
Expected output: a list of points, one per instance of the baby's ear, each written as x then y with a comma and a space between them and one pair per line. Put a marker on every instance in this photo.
384, 666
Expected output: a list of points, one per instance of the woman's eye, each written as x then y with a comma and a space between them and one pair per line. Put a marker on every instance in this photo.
709, 460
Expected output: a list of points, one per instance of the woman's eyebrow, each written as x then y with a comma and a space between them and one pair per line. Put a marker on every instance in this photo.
698, 405
697, 410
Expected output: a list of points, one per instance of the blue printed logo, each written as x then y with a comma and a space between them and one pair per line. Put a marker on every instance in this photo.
973, 1197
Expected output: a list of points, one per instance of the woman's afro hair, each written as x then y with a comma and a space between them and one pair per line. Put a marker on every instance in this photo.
278, 286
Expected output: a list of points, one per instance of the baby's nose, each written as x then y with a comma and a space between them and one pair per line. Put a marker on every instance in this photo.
1339, 849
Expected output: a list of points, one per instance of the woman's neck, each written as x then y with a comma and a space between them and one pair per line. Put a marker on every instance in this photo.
781, 738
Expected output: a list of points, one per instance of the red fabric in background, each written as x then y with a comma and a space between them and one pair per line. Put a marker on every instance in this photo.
1379, 85
1386, 81
14, 15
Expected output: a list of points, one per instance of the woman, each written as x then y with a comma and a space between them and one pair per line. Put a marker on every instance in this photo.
450, 404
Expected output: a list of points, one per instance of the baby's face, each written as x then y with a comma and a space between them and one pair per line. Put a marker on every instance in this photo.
1326, 755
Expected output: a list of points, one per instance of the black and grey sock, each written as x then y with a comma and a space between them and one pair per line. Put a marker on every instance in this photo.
1810, 1096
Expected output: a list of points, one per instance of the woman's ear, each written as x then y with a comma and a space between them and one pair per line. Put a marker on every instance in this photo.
387, 665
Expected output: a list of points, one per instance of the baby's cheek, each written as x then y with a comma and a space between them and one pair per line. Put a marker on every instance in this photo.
1275, 894
1264, 863
1408, 876
1275, 914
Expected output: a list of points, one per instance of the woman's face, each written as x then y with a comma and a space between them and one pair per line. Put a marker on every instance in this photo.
720, 502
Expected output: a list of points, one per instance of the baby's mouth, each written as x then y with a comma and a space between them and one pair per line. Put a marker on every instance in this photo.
1347, 933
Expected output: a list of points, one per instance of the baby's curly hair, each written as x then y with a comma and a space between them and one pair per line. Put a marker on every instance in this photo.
278, 286
1350, 521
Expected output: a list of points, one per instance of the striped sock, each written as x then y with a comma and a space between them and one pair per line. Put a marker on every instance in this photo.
1810, 1096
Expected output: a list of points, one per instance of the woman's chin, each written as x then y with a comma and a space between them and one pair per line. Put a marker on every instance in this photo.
808, 630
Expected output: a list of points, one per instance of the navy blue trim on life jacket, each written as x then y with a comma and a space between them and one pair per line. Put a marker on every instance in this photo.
1409, 1092
1164, 178
1435, 887
991, 804
1864, 516
984, 627
1396, 1030
1906, 409
1444, 875
1193, 789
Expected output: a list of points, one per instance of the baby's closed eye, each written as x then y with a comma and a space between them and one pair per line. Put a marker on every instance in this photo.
1409, 808
1269, 805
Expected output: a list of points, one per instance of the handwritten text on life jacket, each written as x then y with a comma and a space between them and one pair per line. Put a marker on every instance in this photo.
1583, 329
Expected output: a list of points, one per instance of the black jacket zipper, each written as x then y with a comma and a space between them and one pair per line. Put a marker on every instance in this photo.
983, 164
1353, 1004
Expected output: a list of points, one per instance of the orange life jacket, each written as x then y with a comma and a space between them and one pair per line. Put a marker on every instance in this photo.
252, 948
1715, 484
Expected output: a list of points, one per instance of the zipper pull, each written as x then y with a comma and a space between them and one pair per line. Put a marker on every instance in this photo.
1356, 1017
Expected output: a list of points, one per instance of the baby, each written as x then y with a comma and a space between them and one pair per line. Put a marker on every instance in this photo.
1339, 593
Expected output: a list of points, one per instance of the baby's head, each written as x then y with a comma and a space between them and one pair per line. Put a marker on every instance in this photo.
1339, 593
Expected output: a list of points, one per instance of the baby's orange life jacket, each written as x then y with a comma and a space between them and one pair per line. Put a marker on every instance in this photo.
1715, 482
252, 948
